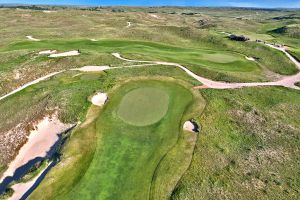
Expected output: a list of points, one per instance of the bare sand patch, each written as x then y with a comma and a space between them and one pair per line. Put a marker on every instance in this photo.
29, 37
99, 99
49, 11
21, 188
92, 68
128, 24
189, 126
93, 40
250, 58
154, 16
64, 54
47, 52
39, 142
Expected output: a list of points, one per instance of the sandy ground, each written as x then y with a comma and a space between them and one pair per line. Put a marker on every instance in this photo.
21, 188
188, 126
39, 142
47, 52
64, 54
99, 99
92, 68
29, 37
128, 24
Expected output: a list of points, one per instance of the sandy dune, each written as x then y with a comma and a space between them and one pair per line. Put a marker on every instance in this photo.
99, 99
29, 37
39, 142
64, 54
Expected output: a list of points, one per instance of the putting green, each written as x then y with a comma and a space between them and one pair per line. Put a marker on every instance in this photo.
143, 106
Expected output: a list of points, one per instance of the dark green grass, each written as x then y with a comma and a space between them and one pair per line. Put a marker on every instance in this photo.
248, 146
143, 106
297, 84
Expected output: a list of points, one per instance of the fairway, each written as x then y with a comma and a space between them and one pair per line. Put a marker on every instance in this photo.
143, 106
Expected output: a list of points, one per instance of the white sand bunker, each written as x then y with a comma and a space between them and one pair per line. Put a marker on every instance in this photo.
154, 16
49, 11
92, 68
29, 37
93, 40
190, 126
47, 52
68, 53
39, 142
21, 188
99, 99
250, 58
128, 24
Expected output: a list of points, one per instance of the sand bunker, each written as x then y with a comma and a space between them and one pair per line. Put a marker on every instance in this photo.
29, 37
39, 142
250, 58
49, 11
93, 40
68, 53
47, 52
154, 16
189, 126
92, 68
21, 188
99, 99
128, 24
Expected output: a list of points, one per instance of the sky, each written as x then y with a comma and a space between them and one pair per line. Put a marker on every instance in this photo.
210, 3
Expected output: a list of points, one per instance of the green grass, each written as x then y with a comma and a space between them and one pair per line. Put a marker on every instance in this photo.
297, 84
143, 106
128, 155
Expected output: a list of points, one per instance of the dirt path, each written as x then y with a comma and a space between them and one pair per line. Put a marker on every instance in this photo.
287, 81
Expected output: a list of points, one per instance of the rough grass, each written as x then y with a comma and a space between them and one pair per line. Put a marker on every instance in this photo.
247, 148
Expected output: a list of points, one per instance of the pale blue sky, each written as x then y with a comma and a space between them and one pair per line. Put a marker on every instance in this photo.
235, 3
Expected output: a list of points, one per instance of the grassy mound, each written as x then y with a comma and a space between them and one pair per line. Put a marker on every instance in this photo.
143, 106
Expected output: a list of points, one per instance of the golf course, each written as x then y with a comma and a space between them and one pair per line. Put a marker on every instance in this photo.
137, 103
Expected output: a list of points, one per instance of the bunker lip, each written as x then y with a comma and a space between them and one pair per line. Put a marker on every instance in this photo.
39, 143
99, 99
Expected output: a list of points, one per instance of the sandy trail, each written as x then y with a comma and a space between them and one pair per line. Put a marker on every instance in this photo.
39, 142
64, 54
21, 188
29, 37
30, 83
287, 81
